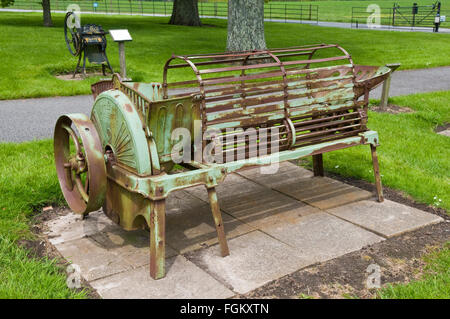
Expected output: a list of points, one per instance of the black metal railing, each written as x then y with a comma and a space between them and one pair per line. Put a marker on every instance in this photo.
276, 11
397, 16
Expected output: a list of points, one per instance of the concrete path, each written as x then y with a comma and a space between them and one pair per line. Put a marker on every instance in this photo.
417, 81
275, 225
28, 119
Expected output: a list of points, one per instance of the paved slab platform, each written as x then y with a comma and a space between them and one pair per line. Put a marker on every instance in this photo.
274, 225
388, 218
183, 280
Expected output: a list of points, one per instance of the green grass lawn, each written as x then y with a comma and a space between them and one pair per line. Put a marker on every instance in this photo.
412, 158
32, 54
28, 182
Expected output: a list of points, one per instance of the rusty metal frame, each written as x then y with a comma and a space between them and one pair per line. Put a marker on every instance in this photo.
310, 93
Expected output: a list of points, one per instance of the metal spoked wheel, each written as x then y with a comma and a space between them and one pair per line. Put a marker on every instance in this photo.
73, 40
80, 163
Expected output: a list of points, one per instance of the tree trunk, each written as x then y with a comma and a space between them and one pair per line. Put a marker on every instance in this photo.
185, 12
47, 14
245, 25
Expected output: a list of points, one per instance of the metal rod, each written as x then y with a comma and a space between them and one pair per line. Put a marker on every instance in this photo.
218, 221
376, 172
157, 239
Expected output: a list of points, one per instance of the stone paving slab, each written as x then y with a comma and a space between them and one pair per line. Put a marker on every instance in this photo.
106, 253
71, 226
255, 204
287, 172
183, 280
265, 208
131, 246
323, 192
232, 185
387, 218
319, 237
254, 260
190, 224
445, 133
96, 261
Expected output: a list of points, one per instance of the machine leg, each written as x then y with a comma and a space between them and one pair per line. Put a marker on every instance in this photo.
157, 239
103, 69
109, 65
376, 172
76, 69
218, 221
318, 165
84, 64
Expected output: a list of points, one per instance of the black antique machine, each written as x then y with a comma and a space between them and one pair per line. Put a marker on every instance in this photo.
86, 41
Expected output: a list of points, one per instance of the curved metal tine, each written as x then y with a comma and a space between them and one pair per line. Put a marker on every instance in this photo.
74, 137
80, 187
69, 179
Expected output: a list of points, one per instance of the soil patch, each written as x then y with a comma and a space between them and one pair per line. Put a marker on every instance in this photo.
442, 128
391, 109
399, 259
79, 76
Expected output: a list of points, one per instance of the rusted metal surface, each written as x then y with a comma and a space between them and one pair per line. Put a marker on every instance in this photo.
81, 171
214, 202
318, 165
376, 172
299, 101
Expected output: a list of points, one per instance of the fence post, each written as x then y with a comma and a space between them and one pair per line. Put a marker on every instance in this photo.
310, 11
118, 6
317, 14
393, 16
285, 13
142, 8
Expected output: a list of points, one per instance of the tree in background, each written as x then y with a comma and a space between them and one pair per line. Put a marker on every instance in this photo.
185, 12
47, 13
245, 25
45, 10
